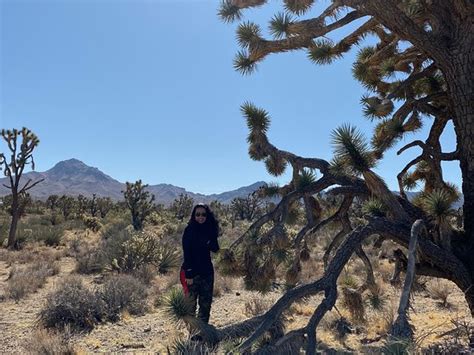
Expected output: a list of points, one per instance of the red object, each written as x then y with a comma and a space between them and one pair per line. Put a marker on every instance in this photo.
182, 278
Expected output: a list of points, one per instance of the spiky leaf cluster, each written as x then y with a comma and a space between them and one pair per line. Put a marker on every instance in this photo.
176, 305
374, 207
257, 119
438, 204
298, 7
228, 12
305, 179
280, 25
351, 149
375, 107
248, 33
243, 63
275, 164
321, 52
271, 190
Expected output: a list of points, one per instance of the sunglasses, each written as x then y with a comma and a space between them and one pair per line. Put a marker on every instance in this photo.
201, 214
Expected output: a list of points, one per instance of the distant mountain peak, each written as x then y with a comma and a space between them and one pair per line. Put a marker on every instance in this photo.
69, 164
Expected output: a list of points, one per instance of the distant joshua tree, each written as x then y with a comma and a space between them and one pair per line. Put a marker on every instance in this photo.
139, 202
182, 206
21, 155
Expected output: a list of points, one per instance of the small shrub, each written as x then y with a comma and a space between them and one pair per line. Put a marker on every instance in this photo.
440, 290
352, 300
145, 274
48, 343
123, 293
223, 284
256, 306
25, 280
90, 261
93, 223
376, 298
72, 304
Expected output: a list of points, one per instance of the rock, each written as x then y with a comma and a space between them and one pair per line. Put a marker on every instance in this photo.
237, 293
146, 330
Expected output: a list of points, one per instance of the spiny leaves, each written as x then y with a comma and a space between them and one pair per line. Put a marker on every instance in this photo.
243, 63
321, 52
248, 33
177, 305
351, 149
298, 7
257, 118
275, 165
279, 25
271, 189
409, 182
305, 178
374, 207
375, 107
229, 12
438, 203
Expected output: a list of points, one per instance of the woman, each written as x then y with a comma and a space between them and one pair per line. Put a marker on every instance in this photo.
197, 272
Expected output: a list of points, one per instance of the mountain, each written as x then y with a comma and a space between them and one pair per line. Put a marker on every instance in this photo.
73, 177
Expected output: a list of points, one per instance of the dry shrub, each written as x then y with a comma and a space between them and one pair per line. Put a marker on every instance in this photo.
223, 284
24, 280
33, 252
352, 301
72, 304
385, 319
123, 293
440, 290
311, 270
90, 261
46, 342
146, 273
256, 306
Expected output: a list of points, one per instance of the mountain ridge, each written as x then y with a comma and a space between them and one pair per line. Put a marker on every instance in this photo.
73, 177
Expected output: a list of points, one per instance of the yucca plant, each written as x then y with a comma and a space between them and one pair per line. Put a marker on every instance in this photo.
305, 178
374, 207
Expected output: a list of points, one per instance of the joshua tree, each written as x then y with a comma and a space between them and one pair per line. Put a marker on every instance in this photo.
66, 204
52, 202
139, 202
104, 205
247, 208
182, 206
428, 44
20, 157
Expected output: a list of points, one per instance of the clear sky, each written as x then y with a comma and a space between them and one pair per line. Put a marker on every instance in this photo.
146, 90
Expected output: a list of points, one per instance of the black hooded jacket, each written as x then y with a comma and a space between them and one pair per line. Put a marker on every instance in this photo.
198, 241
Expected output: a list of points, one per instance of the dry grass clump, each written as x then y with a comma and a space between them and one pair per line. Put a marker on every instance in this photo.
256, 306
376, 297
90, 261
47, 342
33, 252
123, 293
72, 304
223, 284
440, 290
24, 280
352, 301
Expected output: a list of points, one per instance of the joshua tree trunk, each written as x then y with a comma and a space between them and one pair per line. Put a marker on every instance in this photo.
13, 226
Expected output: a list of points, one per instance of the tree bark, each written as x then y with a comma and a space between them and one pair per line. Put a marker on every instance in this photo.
13, 226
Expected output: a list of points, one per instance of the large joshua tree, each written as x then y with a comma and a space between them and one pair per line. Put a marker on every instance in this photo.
21, 155
139, 201
426, 44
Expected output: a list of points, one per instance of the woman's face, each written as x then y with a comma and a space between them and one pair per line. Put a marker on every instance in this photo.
200, 215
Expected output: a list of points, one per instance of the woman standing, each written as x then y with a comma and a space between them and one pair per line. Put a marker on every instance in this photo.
197, 271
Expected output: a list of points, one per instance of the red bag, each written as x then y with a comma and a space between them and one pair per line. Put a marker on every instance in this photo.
182, 278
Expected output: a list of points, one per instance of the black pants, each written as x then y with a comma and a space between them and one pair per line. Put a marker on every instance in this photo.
201, 292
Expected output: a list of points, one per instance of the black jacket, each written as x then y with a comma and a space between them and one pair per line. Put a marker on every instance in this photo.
198, 242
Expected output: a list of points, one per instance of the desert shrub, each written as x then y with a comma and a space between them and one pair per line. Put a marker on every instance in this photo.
146, 248
72, 304
90, 261
56, 218
24, 280
256, 306
352, 301
145, 274
93, 223
223, 284
45, 342
123, 293
398, 346
440, 290
51, 236
112, 229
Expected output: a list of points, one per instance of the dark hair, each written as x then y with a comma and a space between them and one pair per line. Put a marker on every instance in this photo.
211, 222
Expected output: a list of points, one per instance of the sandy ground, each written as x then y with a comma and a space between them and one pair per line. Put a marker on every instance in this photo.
154, 332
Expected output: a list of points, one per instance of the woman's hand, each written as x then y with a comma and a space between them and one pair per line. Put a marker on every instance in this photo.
189, 281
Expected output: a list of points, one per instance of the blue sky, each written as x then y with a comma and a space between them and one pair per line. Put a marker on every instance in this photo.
146, 90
